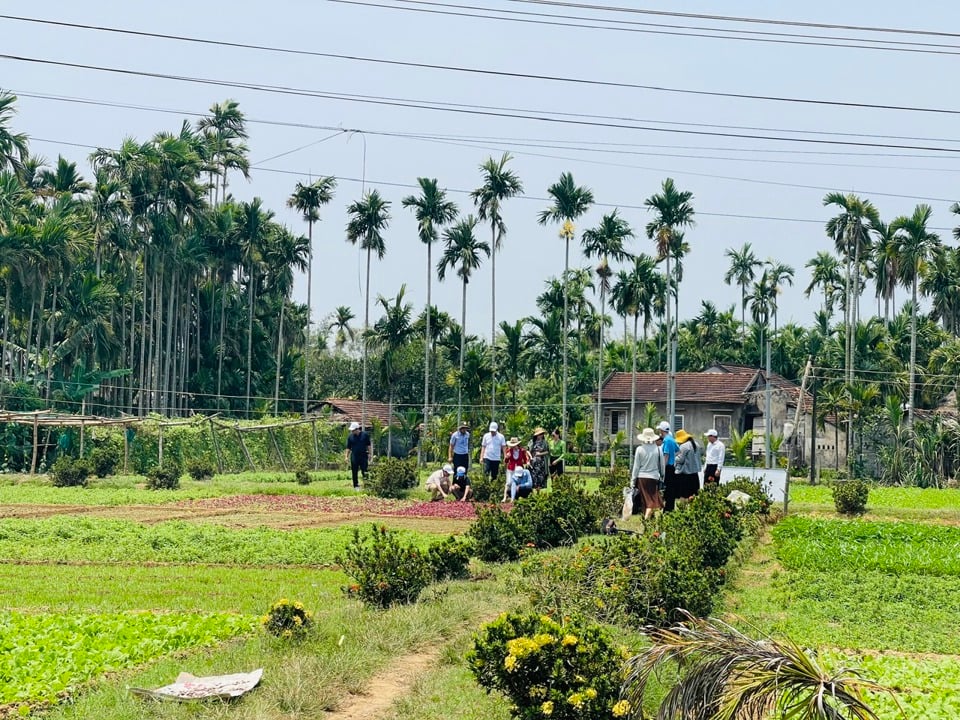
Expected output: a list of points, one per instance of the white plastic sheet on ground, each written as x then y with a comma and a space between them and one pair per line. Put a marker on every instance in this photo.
220, 687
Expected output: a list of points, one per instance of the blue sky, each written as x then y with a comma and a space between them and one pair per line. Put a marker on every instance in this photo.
734, 181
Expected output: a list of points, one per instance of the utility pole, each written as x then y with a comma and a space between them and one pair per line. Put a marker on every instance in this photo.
767, 420
813, 434
796, 430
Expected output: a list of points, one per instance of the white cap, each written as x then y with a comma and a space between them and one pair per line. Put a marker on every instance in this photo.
461, 470
664, 426
494, 427
712, 433
448, 469
354, 426
518, 471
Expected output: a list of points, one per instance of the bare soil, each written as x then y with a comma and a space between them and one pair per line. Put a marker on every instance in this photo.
388, 686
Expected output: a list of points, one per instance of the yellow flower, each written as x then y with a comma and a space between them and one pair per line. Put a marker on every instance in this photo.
510, 662
297, 620
576, 700
547, 708
538, 691
544, 639
590, 693
621, 708
569, 639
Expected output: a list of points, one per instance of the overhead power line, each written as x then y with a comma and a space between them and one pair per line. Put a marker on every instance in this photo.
453, 68
562, 118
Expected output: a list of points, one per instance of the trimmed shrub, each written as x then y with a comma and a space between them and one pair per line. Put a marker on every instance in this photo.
483, 488
555, 519
548, 669
707, 528
759, 500
164, 478
449, 559
200, 470
69, 472
385, 570
495, 535
391, 477
287, 620
303, 477
609, 496
104, 460
850, 497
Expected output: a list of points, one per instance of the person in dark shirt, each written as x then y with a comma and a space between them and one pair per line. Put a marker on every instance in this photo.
358, 453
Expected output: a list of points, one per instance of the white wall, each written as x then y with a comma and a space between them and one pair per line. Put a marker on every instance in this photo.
774, 479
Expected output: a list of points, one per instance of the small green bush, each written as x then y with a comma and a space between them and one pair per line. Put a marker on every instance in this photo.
303, 477
850, 497
609, 495
495, 535
449, 559
550, 670
557, 518
483, 488
391, 477
200, 470
707, 528
70, 472
164, 478
759, 500
104, 460
385, 570
287, 620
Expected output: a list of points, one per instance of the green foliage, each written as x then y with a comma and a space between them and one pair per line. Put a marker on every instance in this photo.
740, 447
548, 669
391, 477
759, 500
164, 478
287, 620
609, 496
850, 497
495, 535
70, 472
385, 570
484, 488
707, 528
449, 559
303, 476
104, 460
90, 645
200, 470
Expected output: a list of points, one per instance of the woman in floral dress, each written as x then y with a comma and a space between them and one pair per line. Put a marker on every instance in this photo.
540, 454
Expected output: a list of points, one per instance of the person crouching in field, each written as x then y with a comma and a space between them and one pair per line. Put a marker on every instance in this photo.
461, 485
438, 484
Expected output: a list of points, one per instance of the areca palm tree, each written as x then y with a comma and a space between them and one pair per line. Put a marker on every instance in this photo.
742, 270
462, 252
307, 200
778, 274
369, 218
885, 266
604, 242
339, 323
915, 245
14, 148
673, 211
570, 202
390, 335
433, 210
850, 231
499, 184
825, 274
224, 131
254, 233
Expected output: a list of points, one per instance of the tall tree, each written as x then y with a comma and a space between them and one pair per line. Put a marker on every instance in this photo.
433, 211
308, 199
14, 148
672, 211
224, 132
825, 274
339, 323
462, 252
254, 233
604, 242
369, 218
742, 271
885, 267
499, 184
915, 246
569, 203
390, 335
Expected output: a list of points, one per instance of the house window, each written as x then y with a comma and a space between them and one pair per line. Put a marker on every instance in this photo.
721, 423
618, 421
677, 422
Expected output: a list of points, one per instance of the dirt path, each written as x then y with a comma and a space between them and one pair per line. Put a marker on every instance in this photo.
388, 686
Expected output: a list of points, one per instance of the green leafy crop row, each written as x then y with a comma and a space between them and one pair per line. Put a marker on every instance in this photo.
45, 657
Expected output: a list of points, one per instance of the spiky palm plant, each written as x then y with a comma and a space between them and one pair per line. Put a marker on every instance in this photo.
725, 675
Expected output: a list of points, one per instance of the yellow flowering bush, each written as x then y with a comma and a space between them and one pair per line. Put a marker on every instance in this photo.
287, 620
569, 670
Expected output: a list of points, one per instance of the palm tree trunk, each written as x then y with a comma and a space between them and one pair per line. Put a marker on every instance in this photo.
169, 354
670, 394
426, 364
250, 284
493, 321
603, 307
913, 351
220, 348
366, 330
566, 325
50, 332
306, 340
390, 422
141, 400
6, 330
463, 342
276, 382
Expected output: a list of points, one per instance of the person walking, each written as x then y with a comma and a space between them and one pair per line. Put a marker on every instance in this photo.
491, 451
669, 449
359, 450
716, 452
458, 454
557, 450
539, 458
687, 465
648, 471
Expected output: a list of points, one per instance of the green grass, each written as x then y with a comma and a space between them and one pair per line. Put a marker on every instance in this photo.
67, 538
904, 503
166, 588
888, 547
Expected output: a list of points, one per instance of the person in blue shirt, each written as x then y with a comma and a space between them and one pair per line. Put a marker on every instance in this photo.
669, 449
459, 453
521, 483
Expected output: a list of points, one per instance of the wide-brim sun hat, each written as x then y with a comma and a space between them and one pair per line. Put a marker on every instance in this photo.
539, 431
513, 442
682, 436
648, 436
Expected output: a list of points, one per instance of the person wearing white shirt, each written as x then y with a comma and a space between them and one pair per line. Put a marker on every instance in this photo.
714, 461
491, 451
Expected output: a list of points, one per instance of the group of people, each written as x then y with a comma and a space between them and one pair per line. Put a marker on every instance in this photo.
666, 467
